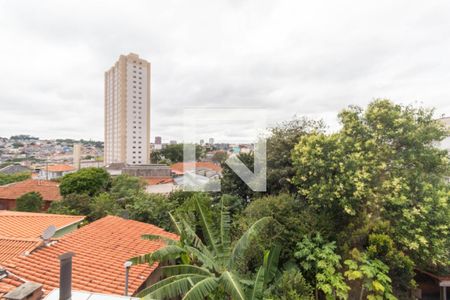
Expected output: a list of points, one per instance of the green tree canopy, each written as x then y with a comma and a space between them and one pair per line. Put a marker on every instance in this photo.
174, 153
7, 179
125, 187
102, 205
72, 204
280, 143
152, 208
31, 202
381, 173
90, 181
291, 221
220, 157
232, 184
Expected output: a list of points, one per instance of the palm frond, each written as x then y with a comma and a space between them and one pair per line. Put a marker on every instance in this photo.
207, 261
156, 237
225, 224
271, 263
232, 285
258, 286
192, 239
172, 289
201, 289
244, 242
184, 269
160, 284
175, 224
161, 255
205, 222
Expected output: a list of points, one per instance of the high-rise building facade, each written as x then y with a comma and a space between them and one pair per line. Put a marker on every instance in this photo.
127, 111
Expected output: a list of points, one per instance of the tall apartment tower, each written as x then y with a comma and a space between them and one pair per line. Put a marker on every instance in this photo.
127, 111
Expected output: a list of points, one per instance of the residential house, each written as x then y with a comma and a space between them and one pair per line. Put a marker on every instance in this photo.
201, 174
204, 168
432, 286
21, 232
8, 282
160, 185
101, 248
55, 171
14, 169
9, 193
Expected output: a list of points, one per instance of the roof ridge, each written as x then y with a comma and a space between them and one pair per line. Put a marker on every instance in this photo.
12, 213
24, 239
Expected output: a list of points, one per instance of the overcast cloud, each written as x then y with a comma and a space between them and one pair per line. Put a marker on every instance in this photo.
308, 58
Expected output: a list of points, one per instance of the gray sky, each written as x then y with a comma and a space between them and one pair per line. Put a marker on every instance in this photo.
290, 57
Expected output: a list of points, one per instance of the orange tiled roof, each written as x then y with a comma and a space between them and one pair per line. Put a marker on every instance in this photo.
59, 168
9, 283
101, 249
16, 224
160, 180
20, 231
180, 167
48, 189
13, 247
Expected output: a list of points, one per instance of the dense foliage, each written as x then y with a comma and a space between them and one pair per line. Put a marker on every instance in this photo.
31, 202
219, 157
232, 184
173, 153
207, 262
7, 179
318, 260
280, 143
380, 182
89, 181
356, 211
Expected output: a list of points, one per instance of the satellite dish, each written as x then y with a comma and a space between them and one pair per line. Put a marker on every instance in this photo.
49, 232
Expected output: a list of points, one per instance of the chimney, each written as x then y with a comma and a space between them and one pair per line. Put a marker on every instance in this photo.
26, 291
65, 276
127, 266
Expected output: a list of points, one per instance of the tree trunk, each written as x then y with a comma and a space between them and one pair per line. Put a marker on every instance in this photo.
362, 293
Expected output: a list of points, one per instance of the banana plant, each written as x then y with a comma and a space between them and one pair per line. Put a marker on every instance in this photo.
207, 266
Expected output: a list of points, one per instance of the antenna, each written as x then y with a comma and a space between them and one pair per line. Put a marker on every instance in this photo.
49, 232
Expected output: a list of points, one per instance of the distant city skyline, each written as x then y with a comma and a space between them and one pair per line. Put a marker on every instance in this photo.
52, 64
